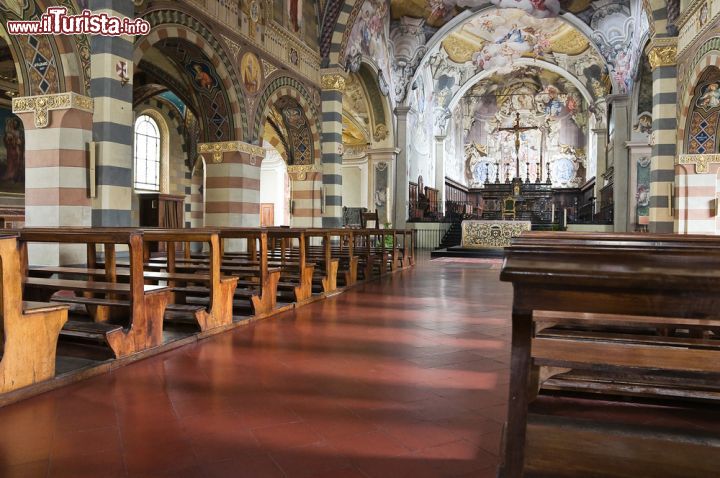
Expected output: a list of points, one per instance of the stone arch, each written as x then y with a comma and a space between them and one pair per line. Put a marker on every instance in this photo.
175, 24
66, 65
706, 56
345, 19
286, 86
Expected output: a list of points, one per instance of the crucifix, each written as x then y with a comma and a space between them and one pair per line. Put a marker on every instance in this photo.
517, 129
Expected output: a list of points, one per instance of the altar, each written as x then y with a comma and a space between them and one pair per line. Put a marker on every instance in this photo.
491, 234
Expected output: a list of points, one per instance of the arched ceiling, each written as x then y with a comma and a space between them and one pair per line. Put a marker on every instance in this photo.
438, 13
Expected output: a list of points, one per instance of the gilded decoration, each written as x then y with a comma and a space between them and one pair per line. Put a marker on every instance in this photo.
701, 161
333, 81
662, 56
302, 170
491, 234
218, 149
41, 105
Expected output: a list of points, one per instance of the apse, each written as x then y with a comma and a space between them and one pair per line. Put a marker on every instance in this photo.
551, 118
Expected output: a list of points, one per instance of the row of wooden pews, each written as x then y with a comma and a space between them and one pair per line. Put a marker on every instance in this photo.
140, 290
615, 355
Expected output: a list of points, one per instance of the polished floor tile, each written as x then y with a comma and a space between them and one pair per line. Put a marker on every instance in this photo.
404, 377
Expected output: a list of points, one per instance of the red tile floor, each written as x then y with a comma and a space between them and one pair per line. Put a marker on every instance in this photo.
404, 377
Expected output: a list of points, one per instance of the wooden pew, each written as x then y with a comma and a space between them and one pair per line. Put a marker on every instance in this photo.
265, 301
257, 282
145, 304
282, 240
585, 311
30, 330
218, 289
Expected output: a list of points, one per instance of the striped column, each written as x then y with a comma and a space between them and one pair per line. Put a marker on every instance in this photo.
197, 205
113, 119
333, 85
58, 129
663, 61
232, 183
306, 196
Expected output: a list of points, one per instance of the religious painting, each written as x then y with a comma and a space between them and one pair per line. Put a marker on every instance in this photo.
704, 117
370, 37
251, 72
709, 97
202, 75
294, 117
295, 15
12, 153
536, 8
642, 193
381, 191
278, 11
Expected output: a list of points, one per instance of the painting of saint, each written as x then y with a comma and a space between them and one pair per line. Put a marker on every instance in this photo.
12, 153
201, 76
251, 72
294, 117
295, 15
710, 97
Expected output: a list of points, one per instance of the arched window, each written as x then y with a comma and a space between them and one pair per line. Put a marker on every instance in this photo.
147, 154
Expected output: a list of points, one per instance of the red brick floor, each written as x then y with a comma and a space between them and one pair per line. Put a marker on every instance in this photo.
406, 377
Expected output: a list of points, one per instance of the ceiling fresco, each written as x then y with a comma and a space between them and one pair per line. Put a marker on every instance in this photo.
495, 39
438, 12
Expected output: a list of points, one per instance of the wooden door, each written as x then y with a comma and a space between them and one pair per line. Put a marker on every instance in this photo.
267, 214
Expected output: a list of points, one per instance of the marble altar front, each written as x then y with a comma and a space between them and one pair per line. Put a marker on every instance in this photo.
491, 234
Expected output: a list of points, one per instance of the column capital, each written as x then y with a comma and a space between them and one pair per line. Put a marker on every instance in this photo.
662, 51
219, 148
617, 99
383, 154
332, 79
40, 105
402, 110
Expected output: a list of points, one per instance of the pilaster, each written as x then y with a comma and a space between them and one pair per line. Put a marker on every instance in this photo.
58, 129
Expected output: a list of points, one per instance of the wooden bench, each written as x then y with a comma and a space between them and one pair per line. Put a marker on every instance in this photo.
589, 313
220, 289
138, 325
257, 284
30, 330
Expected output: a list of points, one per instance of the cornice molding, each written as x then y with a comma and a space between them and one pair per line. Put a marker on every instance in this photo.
40, 105
218, 149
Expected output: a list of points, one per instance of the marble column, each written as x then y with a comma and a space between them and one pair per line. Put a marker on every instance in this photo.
401, 195
332, 81
620, 160
663, 61
58, 131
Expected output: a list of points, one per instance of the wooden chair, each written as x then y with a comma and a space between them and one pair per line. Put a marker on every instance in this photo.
508, 211
30, 330
370, 216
